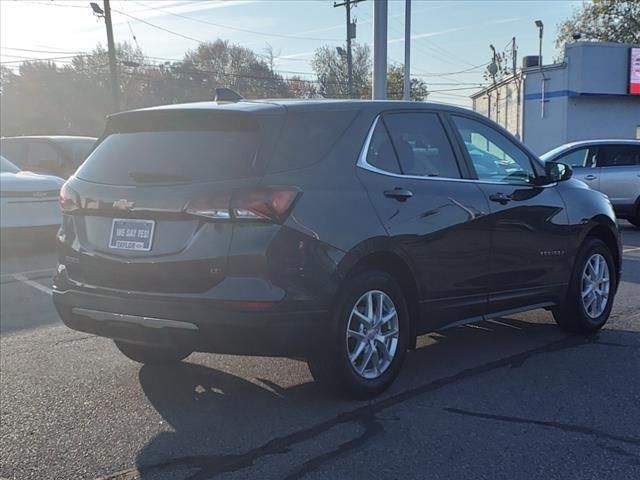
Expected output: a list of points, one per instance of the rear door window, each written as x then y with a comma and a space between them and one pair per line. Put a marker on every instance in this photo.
422, 145
619, 155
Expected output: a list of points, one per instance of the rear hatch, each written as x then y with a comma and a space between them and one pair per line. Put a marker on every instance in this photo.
151, 207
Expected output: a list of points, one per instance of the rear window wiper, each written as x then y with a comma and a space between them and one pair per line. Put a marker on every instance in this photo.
151, 177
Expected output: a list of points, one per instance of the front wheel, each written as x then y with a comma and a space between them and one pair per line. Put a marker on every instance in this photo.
364, 348
151, 354
591, 290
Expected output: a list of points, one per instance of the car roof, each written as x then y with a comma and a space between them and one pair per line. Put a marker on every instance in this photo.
601, 141
560, 149
273, 105
55, 138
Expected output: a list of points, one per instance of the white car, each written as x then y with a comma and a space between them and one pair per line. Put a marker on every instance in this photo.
27, 199
610, 166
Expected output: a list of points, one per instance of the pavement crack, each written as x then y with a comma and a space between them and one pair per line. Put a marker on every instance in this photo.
566, 427
73, 340
371, 426
212, 465
619, 451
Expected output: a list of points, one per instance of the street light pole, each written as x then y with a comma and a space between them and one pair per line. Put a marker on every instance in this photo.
113, 67
379, 89
540, 26
406, 90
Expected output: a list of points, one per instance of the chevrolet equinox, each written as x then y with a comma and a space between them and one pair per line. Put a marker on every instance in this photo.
333, 231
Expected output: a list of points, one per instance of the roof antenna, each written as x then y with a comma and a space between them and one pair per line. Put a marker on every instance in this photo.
224, 95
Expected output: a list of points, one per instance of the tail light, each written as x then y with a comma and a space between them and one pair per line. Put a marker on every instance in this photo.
270, 204
68, 199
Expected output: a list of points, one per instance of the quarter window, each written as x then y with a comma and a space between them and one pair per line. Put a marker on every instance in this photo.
494, 157
381, 153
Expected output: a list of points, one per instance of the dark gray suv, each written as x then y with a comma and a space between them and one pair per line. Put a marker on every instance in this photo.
334, 231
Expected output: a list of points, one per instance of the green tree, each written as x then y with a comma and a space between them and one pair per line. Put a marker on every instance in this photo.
395, 86
223, 64
604, 21
42, 97
301, 88
331, 70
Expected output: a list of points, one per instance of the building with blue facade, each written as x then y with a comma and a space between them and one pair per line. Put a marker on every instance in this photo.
586, 96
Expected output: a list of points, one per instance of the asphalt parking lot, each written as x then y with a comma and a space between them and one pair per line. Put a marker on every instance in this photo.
509, 398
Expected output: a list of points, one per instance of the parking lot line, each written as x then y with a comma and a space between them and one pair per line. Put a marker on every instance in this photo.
629, 250
6, 276
38, 286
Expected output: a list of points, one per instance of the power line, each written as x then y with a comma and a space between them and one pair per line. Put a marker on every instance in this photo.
244, 30
446, 74
159, 27
42, 59
38, 51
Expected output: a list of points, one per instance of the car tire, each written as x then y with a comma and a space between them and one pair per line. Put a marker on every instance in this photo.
587, 312
337, 363
152, 355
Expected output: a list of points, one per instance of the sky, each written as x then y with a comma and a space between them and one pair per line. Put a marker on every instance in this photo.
450, 39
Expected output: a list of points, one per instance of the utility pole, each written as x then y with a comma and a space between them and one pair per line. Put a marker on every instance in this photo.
113, 67
380, 11
406, 91
351, 34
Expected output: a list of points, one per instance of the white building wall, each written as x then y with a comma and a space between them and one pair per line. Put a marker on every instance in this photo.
585, 97
545, 109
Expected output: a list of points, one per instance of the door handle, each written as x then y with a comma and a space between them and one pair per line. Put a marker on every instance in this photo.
590, 177
501, 198
400, 194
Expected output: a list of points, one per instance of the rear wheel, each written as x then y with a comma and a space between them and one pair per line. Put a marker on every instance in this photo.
590, 296
364, 349
152, 355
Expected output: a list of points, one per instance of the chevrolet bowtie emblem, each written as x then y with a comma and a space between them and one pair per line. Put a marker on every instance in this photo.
123, 204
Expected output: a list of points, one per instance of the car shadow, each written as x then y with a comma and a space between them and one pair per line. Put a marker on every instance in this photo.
212, 412
630, 234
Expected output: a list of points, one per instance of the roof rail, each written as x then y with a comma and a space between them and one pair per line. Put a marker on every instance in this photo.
224, 94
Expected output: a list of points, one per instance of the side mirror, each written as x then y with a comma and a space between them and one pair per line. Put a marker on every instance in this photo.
557, 172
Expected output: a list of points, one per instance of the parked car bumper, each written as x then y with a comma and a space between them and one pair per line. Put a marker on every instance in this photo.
203, 322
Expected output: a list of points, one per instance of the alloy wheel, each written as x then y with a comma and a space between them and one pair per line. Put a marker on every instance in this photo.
595, 285
372, 334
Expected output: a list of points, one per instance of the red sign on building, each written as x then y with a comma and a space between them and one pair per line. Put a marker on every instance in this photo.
634, 71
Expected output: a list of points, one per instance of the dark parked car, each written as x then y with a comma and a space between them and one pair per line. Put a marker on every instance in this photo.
332, 231
47, 155
610, 166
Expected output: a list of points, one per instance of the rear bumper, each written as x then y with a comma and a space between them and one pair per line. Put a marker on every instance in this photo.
200, 323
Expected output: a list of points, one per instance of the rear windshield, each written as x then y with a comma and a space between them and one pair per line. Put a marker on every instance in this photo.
167, 156
77, 150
